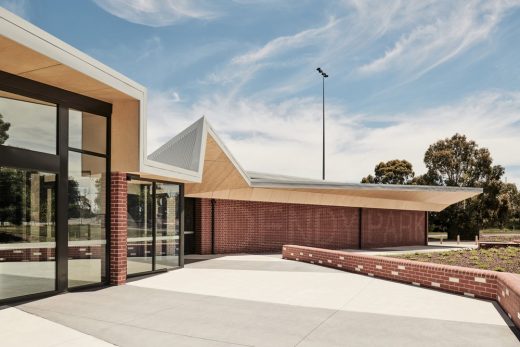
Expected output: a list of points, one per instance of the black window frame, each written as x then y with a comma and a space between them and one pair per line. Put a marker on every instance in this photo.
130, 177
28, 159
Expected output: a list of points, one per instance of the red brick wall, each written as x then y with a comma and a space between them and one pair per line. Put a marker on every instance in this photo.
472, 282
508, 295
248, 226
118, 228
502, 287
387, 228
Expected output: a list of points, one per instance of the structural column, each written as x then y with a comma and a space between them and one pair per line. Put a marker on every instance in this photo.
118, 228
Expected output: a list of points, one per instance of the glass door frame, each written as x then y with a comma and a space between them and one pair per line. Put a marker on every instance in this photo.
154, 182
58, 164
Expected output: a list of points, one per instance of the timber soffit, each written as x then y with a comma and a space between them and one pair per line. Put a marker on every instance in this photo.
27, 34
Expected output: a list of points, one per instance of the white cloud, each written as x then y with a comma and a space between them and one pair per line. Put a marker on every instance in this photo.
158, 13
284, 43
443, 37
417, 35
286, 137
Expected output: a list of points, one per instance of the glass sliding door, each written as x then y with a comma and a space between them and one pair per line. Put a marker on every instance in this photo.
154, 226
27, 195
54, 188
140, 228
167, 225
86, 223
27, 232
87, 199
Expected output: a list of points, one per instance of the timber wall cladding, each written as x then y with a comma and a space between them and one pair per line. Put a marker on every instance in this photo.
491, 285
249, 226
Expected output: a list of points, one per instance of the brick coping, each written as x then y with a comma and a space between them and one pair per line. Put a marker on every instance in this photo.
501, 287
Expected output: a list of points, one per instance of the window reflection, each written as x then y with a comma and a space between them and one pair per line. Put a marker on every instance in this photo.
167, 225
18, 116
87, 205
140, 232
27, 232
87, 131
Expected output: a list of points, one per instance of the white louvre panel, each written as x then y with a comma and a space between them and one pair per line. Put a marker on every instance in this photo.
183, 150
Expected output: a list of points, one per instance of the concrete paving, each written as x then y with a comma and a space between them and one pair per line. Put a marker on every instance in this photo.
252, 300
21, 329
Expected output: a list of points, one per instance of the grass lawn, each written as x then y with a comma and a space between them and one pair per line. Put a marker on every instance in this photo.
484, 235
498, 259
499, 237
498, 231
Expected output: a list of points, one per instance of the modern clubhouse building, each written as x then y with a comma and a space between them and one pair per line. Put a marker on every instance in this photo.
83, 204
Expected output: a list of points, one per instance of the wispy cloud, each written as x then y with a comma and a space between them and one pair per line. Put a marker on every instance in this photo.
286, 137
445, 37
421, 35
158, 13
257, 93
286, 43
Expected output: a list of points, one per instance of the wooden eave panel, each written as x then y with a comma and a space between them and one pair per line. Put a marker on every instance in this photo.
22, 61
222, 180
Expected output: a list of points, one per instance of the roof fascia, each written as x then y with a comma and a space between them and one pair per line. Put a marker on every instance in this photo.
36, 39
160, 169
265, 183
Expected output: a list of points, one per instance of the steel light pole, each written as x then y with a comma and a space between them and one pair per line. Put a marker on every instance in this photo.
323, 76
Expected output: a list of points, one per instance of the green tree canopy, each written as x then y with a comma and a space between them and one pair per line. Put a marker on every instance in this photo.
459, 162
4, 128
392, 172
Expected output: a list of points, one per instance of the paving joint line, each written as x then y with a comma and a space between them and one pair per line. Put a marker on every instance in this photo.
66, 326
370, 280
184, 335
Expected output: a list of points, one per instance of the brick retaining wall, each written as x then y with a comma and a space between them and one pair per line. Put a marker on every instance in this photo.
502, 287
508, 295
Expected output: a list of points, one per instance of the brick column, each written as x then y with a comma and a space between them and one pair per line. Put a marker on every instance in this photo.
118, 228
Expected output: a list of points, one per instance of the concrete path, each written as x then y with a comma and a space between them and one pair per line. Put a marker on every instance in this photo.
21, 329
266, 301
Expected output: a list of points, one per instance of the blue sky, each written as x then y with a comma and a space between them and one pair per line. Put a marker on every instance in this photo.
403, 74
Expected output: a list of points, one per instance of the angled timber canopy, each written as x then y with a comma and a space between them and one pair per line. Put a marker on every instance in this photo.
209, 170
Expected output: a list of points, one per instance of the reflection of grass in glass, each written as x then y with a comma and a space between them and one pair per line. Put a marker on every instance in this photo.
32, 233
27, 233
139, 232
79, 232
